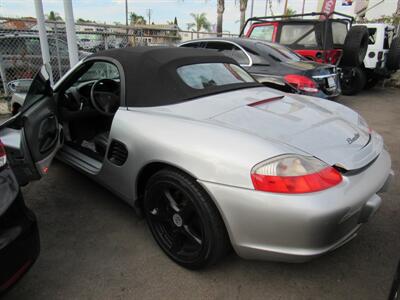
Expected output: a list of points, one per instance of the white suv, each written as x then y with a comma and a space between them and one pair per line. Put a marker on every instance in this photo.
383, 54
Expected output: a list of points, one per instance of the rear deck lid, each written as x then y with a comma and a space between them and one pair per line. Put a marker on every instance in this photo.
333, 136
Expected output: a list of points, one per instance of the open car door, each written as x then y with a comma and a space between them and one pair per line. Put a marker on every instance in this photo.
33, 136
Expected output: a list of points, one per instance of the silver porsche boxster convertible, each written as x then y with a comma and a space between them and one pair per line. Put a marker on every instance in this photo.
210, 157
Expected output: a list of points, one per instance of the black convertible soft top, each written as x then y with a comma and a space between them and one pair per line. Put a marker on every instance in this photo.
151, 78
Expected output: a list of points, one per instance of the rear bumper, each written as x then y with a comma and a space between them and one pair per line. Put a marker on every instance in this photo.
19, 243
296, 228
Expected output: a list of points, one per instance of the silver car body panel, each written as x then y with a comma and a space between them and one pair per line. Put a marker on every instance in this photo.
298, 227
218, 140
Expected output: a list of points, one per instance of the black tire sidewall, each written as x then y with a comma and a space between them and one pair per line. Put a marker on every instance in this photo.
204, 207
356, 42
393, 57
357, 83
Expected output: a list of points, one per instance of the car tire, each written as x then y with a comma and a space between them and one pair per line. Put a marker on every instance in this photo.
183, 220
355, 46
355, 82
371, 83
393, 57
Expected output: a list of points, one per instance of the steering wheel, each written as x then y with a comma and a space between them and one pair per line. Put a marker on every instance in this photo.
105, 96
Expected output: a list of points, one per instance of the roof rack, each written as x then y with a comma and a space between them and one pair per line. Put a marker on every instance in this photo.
312, 14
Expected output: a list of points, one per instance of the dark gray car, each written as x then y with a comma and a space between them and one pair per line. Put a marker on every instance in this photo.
277, 66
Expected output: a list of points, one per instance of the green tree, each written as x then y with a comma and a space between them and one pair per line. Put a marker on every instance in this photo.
53, 16
176, 21
200, 22
80, 20
136, 19
220, 13
290, 12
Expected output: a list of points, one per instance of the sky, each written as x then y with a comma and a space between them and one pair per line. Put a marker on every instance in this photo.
109, 11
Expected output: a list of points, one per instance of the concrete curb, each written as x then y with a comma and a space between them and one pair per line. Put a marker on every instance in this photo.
394, 81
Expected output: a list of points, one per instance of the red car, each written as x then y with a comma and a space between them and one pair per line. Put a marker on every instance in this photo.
325, 40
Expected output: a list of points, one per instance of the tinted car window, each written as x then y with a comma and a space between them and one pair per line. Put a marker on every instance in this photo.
238, 55
192, 45
388, 39
230, 50
263, 33
203, 76
339, 32
300, 34
279, 53
372, 36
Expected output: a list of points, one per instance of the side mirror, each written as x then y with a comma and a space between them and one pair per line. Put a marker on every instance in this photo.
19, 85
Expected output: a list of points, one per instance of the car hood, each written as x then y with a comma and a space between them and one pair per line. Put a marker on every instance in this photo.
324, 129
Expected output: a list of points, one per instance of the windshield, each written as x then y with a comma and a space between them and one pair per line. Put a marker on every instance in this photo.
279, 53
203, 76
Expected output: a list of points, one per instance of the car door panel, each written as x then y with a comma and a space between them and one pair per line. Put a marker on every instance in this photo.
33, 137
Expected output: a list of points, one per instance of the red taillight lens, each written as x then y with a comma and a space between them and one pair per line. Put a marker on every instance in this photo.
293, 174
3, 157
302, 83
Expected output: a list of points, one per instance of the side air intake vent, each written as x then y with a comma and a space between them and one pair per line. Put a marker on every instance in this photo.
117, 153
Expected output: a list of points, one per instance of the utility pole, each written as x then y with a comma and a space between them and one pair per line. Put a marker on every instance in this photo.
266, 8
398, 8
126, 13
126, 21
44, 43
149, 11
302, 9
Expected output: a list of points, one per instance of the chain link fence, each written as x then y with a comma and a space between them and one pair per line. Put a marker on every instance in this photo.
20, 51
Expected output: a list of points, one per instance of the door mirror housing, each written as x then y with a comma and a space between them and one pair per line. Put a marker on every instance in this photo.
19, 85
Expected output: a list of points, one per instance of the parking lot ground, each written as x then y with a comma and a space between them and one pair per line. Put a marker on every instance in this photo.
94, 247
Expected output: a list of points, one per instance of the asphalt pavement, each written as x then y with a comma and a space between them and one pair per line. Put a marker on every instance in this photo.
95, 247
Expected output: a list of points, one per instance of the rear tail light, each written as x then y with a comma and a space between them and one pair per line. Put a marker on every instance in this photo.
294, 174
380, 55
301, 83
3, 157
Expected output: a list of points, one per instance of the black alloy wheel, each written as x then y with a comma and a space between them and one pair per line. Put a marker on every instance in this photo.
353, 81
183, 220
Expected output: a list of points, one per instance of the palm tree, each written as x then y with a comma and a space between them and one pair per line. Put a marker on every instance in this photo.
220, 13
290, 12
243, 7
136, 19
200, 22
